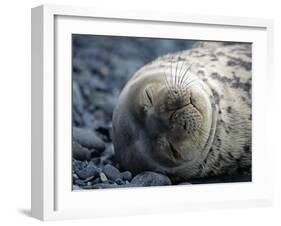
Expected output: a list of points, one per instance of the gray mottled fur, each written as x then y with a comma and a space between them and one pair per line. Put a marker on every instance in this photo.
226, 69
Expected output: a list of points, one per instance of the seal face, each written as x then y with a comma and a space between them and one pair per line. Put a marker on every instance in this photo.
171, 117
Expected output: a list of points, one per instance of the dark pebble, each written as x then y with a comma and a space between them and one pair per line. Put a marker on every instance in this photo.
89, 179
104, 185
111, 172
87, 138
96, 181
119, 181
151, 179
127, 175
88, 187
89, 171
76, 187
184, 183
79, 164
79, 152
77, 98
80, 182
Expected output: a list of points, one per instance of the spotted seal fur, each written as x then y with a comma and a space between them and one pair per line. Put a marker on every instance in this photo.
187, 114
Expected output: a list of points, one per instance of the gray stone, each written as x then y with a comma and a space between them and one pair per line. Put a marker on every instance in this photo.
88, 187
74, 175
127, 175
87, 138
96, 181
151, 179
77, 97
119, 181
80, 182
111, 172
89, 171
79, 164
104, 185
79, 152
184, 183
88, 179
76, 187
103, 177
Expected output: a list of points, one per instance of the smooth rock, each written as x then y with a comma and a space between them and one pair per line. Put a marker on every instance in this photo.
119, 181
89, 171
184, 183
79, 152
103, 177
126, 175
76, 187
87, 138
104, 185
88, 187
74, 175
80, 182
111, 172
96, 181
79, 164
151, 179
77, 98
89, 179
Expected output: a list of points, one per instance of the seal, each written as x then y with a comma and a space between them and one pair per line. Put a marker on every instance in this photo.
187, 114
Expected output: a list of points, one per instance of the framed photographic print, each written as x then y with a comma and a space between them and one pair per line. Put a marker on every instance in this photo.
135, 112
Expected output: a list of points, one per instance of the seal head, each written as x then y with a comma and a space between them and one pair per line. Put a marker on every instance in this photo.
164, 121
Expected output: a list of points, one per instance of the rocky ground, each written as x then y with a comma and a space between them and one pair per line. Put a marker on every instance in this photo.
101, 67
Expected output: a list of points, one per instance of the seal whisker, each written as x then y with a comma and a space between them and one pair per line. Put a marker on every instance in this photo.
189, 78
181, 79
183, 75
168, 78
166, 81
180, 72
187, 66
172, 79
176, 75
191, 83
170, 85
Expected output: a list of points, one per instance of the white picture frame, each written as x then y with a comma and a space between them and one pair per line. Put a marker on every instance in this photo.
52, 197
